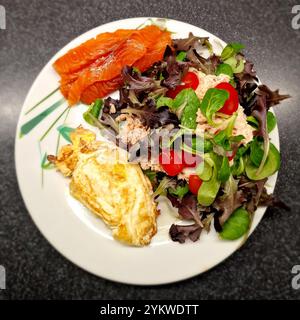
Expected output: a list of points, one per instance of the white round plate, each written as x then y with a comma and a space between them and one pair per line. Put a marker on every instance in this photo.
74, 231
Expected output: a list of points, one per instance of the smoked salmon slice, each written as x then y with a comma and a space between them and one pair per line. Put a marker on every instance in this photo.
100, 89
126, 54
68, 78
65, 88
90, 50
147, 36
155, 53
93, 69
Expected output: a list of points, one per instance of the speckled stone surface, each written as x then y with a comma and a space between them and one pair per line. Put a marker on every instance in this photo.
38, 29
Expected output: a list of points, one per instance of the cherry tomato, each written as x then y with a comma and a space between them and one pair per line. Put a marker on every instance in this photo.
171, 162
232, 103
190, 160
230, 157
190, 80
194, 183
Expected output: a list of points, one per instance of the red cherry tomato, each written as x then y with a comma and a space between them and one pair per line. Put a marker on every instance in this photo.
194, 183
190, 80
190, 160
171, 162
232, 103
230, 157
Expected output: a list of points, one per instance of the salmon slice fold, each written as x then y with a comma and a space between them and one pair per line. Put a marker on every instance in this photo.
155, 53
89, 51
100, 89
126, 54
104, 43
147, 36
68, 79
93, 69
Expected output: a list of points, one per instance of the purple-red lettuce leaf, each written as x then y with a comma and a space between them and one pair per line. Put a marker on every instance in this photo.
190, 42
269, 200
173, 72
189, 210
231, 199
272, 97
252, 191
181, 233
260, 113
206, 65
152, 117
228, 205
135, 81
187, 207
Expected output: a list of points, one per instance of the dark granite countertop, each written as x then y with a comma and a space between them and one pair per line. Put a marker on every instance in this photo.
36, 30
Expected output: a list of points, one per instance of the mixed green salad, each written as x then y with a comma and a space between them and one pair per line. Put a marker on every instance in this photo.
218, 172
